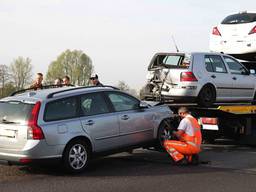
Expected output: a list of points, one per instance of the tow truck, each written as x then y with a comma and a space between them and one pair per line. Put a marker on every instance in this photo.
236, 121
233, 121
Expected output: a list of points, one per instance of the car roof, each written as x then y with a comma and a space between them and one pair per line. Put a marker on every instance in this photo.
188, 53
44, 94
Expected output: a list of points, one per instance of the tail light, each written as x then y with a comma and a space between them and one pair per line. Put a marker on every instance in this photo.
215, 31
25, 160
187, 76
252, 31
209, 121
34, 131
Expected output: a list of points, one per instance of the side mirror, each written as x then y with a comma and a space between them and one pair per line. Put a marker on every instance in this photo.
252, 71
143, 104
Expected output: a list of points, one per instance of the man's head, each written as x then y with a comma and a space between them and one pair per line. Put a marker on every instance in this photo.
183, 111
66, 80
58, 81
39, 78
94, 79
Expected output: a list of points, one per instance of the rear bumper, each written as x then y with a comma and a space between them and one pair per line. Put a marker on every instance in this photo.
33, 151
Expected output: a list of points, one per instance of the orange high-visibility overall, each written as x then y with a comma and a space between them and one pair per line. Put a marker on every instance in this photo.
188, 144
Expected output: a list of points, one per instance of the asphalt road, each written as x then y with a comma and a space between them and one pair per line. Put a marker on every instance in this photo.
222, 168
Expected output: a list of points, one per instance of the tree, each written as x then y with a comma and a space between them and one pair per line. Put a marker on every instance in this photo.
7, 89
20, 72
124, 87
4, 77
76, 64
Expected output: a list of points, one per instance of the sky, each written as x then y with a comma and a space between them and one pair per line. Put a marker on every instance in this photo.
120, 36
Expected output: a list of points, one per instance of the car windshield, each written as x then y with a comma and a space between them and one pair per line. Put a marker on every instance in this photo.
240, 18
14, 112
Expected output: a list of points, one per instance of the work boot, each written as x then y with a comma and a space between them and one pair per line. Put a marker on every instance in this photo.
182, 162
194, 160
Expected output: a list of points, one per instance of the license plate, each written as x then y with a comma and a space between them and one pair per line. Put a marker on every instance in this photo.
7, 133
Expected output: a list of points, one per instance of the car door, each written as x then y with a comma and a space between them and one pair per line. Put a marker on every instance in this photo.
135, 123
99, 122
218, 75
243, 83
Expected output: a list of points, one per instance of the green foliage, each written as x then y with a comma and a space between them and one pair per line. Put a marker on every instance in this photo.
7, 90
76, 64
20, 72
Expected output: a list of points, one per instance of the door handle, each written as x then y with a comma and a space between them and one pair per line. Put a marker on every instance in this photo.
234, 78
125, 117
213, 76
89, 122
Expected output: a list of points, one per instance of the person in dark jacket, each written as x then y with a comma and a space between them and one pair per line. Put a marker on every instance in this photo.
95, 80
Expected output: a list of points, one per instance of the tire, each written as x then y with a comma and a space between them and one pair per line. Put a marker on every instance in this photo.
164, 133
76, 156
254, 99
207, 96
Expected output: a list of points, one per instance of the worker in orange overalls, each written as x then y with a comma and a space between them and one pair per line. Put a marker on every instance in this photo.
189, 140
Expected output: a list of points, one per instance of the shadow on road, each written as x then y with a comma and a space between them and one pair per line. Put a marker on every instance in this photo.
140, 163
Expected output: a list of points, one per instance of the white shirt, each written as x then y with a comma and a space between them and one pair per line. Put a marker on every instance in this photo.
186, 126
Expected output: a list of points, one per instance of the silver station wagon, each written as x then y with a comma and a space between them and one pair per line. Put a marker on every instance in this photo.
73, 124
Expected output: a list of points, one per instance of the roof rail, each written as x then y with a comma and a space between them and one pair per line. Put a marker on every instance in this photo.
76, 88
32, 89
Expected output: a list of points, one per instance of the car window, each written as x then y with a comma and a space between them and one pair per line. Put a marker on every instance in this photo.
239, 18
14, 111
234, 66
61, 109
214, 63
172, 61
208, 64
122, 102
93, 104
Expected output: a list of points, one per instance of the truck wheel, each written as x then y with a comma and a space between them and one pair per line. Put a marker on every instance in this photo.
76, 156
207, 96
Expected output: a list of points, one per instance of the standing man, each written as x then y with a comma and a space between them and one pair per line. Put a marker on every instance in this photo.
58, 82
66, 81
95, 80
189, 139
37, 84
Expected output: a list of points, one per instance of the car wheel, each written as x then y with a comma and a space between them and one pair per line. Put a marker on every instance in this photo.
207, 96
254, 99
76, 156
164, 133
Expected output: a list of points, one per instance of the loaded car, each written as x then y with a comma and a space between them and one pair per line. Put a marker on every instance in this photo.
236, 36
74, 124
199, 77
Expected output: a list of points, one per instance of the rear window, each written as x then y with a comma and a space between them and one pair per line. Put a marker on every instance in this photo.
171, 61
14, 112
240, 18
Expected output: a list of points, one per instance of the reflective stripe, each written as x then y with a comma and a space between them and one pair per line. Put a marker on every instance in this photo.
191, 143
